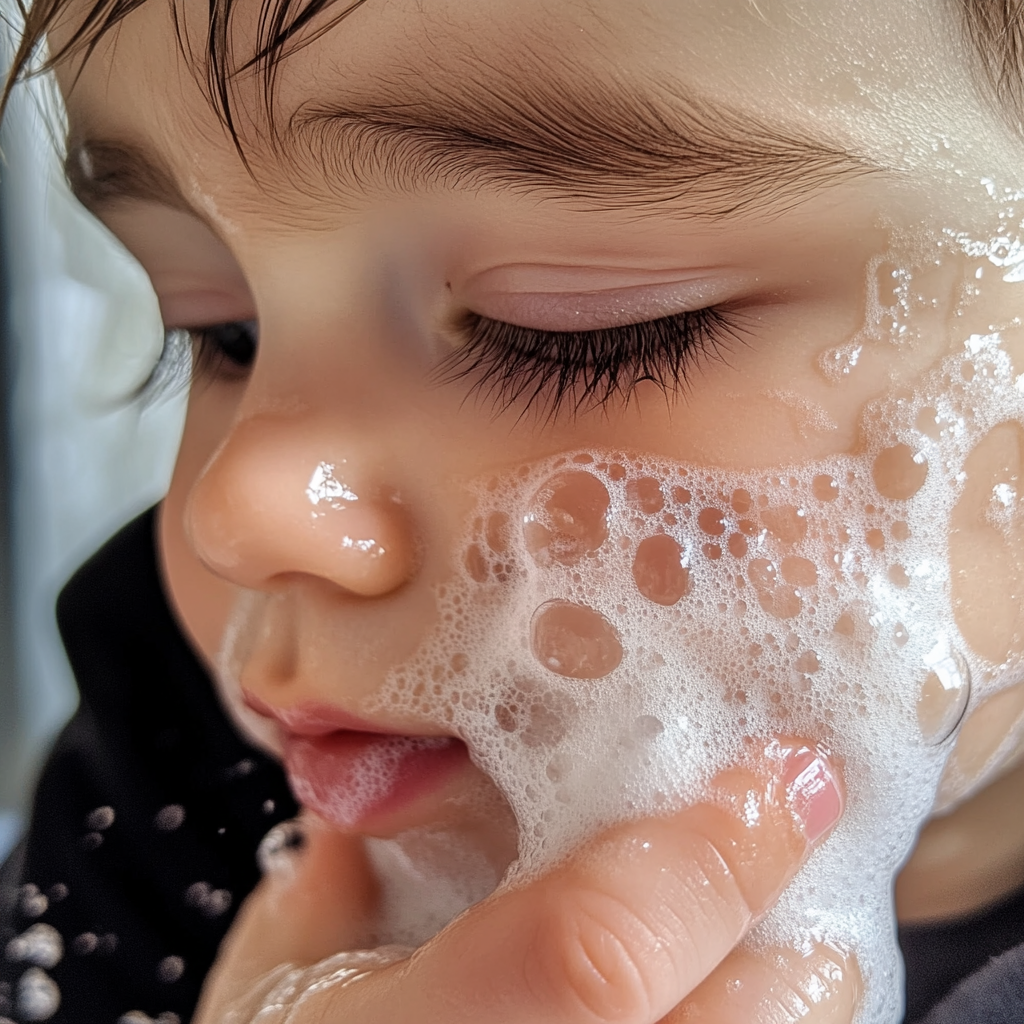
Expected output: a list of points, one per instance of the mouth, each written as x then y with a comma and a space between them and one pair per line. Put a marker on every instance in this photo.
357, 775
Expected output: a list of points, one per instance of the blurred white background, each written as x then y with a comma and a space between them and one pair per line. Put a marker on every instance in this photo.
82, 334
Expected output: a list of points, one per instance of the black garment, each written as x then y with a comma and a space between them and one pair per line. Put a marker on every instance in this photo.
939, 958
150, 738
162, 875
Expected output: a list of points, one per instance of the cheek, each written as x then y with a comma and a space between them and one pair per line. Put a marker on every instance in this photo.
201, 600
987, 563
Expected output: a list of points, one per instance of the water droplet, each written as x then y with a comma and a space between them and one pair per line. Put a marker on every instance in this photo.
712, 521
899, 472
85, 943
785, 523
38, 996
92, 840
58, 892
575, 641
645, 494
944, 694
824, 487
169, 818
41, 944
660, 570
269, 806
900, 635
170, 969
572, 520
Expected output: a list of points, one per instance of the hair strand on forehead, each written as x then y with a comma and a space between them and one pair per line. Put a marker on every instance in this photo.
283, 28
994, 30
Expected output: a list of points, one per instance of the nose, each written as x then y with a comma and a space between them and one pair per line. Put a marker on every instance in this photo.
285, 497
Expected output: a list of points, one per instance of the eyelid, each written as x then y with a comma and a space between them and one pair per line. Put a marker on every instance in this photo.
579, 309
191, 309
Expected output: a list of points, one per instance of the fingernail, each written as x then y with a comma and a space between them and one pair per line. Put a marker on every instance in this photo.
813, 791
280, 847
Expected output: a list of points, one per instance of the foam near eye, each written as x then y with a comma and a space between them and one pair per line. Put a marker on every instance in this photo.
620, 627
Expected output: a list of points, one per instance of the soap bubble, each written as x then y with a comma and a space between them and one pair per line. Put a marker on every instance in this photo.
575, 641
279, 846
169, 818
899, 472
170, 969
660, 570
37, 996
40, 944
32, 902
944, 694
207, 900
100, 819
569, 519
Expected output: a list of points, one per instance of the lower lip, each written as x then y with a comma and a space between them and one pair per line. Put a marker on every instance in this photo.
349, 778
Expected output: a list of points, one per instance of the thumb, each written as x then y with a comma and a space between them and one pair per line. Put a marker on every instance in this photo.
305, 909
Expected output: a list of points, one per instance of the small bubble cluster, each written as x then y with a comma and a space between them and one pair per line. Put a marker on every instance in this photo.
210, 902
620, 627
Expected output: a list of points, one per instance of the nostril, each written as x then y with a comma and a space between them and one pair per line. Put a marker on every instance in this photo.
263, 510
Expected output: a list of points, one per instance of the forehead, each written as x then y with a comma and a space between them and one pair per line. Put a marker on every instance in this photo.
862, 78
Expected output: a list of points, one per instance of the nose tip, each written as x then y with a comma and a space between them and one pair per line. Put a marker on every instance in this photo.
264, 509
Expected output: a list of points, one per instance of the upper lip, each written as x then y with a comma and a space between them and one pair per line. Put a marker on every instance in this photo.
315, 718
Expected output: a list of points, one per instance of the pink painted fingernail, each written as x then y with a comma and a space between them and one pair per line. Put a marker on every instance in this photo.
813, 791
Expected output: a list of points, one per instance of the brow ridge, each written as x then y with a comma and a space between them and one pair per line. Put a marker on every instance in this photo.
598, 146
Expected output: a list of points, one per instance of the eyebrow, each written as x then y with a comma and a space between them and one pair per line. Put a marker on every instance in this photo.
100, 173
597, 144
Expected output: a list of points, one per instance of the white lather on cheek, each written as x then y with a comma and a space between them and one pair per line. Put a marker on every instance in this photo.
621, 627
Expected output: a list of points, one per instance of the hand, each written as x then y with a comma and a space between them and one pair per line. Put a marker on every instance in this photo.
637, 927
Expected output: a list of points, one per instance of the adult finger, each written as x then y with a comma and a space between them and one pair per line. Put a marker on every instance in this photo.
622, 931
776, 986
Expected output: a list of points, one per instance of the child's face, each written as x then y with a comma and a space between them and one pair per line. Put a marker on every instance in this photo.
815, 171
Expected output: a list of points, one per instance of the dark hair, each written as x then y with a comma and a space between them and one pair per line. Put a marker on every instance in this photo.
280, 23
994, 30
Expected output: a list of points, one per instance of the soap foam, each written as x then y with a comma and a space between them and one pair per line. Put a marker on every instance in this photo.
621, 627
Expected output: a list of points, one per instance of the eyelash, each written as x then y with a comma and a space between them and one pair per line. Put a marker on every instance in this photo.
215, 352
509, 364
580, 370
224, 351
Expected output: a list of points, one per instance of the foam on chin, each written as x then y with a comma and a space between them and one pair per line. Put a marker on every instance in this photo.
620, 628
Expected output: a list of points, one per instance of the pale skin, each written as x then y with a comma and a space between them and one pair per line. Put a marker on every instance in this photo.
352, 285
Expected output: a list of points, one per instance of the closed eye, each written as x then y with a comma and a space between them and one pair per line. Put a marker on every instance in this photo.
554, 371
